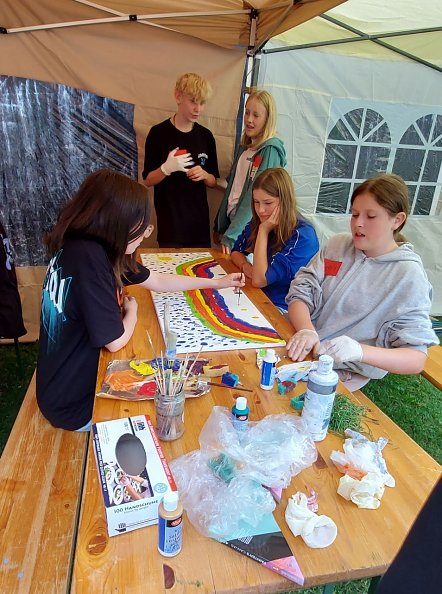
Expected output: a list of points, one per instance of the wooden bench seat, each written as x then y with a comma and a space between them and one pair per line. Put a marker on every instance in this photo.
41, 477
433, 367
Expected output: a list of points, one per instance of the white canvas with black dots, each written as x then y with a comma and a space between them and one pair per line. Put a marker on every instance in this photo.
192, 332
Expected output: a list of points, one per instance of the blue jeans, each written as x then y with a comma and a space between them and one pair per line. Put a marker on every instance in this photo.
86, 427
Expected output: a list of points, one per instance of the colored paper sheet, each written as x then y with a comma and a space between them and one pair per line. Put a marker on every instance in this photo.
267, 545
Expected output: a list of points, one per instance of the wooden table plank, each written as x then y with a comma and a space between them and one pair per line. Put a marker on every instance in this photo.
433, 366
367, 540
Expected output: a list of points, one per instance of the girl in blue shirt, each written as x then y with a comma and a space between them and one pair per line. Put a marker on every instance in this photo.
277, 237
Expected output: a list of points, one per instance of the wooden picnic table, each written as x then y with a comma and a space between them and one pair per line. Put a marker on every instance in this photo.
367, 540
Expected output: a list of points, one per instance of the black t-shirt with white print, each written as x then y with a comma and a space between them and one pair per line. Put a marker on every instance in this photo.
180, 203
80, 313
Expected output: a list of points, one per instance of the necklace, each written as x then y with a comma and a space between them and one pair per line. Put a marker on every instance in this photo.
179, 129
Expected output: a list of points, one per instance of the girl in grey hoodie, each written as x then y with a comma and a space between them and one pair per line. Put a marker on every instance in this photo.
365, 298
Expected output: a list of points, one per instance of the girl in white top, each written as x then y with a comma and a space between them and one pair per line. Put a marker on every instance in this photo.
259, 150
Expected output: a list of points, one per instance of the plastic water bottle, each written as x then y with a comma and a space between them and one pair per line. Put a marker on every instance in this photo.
268, 369
319, 398
240, 413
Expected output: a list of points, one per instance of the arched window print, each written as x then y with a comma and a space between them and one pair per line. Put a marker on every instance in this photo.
418, 160
358, 146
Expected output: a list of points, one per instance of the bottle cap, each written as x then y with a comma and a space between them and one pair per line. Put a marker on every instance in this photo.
270, 356
241, 403
325, 364
170, 500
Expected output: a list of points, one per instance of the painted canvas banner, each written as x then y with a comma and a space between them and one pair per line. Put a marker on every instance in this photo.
211, 319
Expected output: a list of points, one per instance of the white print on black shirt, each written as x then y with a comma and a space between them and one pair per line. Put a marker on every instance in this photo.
55, 291
203, 158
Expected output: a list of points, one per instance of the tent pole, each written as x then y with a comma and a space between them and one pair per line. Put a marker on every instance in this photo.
268, 35
375, 39
289, 48
256, 62
363, 37
407, 55
123, 18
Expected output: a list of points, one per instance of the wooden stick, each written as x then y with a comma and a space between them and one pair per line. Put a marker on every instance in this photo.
179, 383
193, 364
151, 344
229, 387
162, 373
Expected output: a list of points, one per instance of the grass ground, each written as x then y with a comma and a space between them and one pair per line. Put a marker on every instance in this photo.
13, 383
412, 402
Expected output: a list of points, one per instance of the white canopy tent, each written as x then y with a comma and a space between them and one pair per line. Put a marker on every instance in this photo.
133, 51
359, 91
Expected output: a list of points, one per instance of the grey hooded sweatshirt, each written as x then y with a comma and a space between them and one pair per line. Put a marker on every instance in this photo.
383, 301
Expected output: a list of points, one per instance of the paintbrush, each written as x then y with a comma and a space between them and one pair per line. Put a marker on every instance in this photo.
151, 345
224, 386
171, 338
239, 288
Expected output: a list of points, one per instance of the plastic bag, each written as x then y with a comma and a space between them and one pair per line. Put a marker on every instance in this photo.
217, 508
221, 486
270, 451
362, 456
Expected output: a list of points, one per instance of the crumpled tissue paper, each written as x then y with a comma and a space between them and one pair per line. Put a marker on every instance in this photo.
317, 532
365, 493
364, 468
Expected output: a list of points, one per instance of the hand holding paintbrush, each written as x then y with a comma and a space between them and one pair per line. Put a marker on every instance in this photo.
237, 290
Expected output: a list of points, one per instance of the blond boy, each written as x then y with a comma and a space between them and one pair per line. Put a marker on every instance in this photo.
180, 162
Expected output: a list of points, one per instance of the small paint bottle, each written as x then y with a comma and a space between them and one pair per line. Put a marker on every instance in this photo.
319, 398
170, 524
240, 414
268, 369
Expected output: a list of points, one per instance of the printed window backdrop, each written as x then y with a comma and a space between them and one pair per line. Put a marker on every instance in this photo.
53, 136
362, 142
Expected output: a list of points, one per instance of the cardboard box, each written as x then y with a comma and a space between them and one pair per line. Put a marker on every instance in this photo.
133, 472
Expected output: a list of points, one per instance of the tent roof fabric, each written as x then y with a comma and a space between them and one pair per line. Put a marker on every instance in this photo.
225, 23
409, 28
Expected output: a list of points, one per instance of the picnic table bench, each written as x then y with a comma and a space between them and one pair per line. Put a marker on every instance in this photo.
433, 366
41, 478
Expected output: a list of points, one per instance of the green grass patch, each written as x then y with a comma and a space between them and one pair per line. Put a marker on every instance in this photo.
14, 381
415, 405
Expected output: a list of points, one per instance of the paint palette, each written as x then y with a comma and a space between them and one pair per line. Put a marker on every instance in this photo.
211, 319
122, 381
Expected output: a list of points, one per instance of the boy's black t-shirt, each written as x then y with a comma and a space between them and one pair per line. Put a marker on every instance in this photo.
180, 203
80, 313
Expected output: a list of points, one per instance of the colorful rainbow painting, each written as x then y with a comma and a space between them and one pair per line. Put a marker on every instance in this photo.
211, 319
